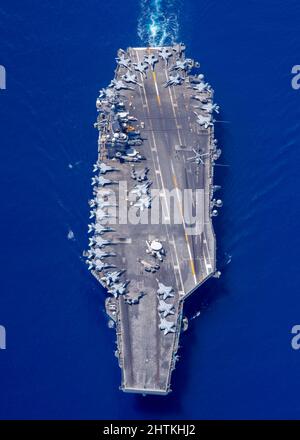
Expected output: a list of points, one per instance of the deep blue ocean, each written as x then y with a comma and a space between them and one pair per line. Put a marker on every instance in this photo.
236, 359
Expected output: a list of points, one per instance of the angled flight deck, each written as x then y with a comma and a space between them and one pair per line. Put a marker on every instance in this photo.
152, 240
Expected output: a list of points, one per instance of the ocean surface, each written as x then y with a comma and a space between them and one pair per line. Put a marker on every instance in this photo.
236, 359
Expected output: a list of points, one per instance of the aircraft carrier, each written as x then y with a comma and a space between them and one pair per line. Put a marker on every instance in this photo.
152, 241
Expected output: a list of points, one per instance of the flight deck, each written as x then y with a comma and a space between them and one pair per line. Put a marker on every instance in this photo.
153, 241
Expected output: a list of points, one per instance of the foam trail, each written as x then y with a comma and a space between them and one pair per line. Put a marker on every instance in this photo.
158, 22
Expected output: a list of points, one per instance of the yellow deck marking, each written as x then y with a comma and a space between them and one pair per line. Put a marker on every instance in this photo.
156, 88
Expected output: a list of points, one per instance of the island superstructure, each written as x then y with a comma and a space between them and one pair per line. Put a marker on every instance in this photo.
152, 240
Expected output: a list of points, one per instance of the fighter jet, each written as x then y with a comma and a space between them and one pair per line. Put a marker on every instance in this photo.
165, 309
167, 326
99, 265
109, 95
91, 241
100, 242
102, 181
143, 202
174, 80
209, 108
180, 65
141, 189
151, 60
140, 175
103, 168
96, 239
200, 98
201, 87
102, 254
165, 54
99, 229
93, 213
198, 157
99, 214
165, 291
104, 204
118, 289
124, 62
141, 67
130, 78
134, 298
94, 181
119, 85
203, 120
100, 193
91, 227
112, 277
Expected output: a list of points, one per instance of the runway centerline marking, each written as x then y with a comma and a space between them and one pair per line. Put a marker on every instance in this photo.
156, 88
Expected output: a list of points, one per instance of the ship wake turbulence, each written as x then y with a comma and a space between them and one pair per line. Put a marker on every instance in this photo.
158, 22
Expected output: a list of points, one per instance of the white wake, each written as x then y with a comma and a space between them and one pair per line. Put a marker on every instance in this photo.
158, 22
